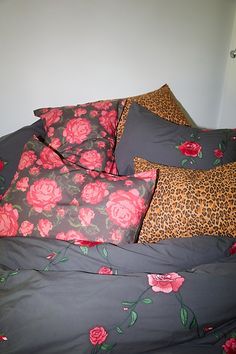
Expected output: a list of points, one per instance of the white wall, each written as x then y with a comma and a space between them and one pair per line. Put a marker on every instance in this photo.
227, 112
56, 52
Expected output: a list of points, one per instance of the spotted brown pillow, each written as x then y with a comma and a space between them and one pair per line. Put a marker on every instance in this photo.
190, 202
161, 102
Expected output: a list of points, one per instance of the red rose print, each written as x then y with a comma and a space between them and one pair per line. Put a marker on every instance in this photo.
77, 130
93, 193
43, 194
91, 159
218, 153
230, 346
108, 120
27, 159
147, 176
97, 335
102, 105
8, 220
79, 112
22, 184
79, 178
86, 215
49, 159
71, 235
26, 228
101, 144
52, 116
93, 114
125, 208
3, 338
111, 168
55, 143
44, 226
232, 249
1, 165
165, 283
190, 148
105, 271
34, 171
116, 236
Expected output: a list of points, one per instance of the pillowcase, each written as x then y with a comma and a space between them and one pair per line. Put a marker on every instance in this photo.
85, 133
190, 202
161, 102
49, 198
155, 139
11, 146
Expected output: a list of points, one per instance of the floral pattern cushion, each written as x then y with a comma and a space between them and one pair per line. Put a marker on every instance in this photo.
190, 202
49, 198
85, 133
148, 136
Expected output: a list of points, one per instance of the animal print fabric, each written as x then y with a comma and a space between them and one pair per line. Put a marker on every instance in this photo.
190, 202
161, 102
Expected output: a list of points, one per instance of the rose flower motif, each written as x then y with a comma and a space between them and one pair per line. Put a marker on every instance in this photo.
77, 130
230, 346
190, 148
43, 194
8, 220
232, 249
125, 208
93, 193
97, 335
49, 159
165, 283
218, 153
105, 271
52, 116
91, 159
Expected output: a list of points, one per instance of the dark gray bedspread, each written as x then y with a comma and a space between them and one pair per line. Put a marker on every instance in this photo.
177, 296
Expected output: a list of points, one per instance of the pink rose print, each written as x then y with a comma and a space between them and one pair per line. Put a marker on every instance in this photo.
71, 235
79, 112
218, 153
86, 215
93, 114
147, 176
34, 171
79, 178
97, 335
55, 143
51, 132
102, 105
49, 159
230, 346
105, 271
101, 144
43, 194
60, 212
8, 220
27, 159
74, 201
190, 148
108, 120
93, 193
22, 184
52, 116
111, 168
26, 228
91, 159
165, 283
116, 236
44, 226
232, 249
77, 130
125, 208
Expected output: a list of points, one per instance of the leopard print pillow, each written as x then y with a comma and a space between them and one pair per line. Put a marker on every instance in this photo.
161, 102
190, 202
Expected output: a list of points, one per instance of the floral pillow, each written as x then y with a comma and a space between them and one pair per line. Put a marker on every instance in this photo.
85, 133
49, 198
148, 136
190, 202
